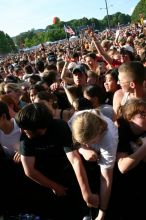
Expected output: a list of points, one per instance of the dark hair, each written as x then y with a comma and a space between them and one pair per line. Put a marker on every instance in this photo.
96, 91
28, 69
75, 55
12, 79
34, 116
40, 65
51, 66
83, 103
37, 87
127, 52
50, 77
114, 73
4, 110
34, 78
91, 55
47, 96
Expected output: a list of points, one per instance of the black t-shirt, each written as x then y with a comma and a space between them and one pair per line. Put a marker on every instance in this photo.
49, 150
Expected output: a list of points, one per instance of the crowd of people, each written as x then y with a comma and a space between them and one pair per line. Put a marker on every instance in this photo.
73, 128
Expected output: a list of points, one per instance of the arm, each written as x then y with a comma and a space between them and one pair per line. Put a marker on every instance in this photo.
79, 169
30, 171
89, 154
101, 51
118, 95
105, 191
64, 76
69, 95
127, 162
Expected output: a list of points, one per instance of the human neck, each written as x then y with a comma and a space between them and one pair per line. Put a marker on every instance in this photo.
8, 126
135, 129
138, 93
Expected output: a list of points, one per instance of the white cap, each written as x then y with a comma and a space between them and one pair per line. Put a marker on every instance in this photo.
129, 48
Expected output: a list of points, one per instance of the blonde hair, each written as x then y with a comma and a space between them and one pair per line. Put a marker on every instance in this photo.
14, 86
87, 125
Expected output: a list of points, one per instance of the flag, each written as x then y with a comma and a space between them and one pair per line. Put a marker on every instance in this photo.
69, 30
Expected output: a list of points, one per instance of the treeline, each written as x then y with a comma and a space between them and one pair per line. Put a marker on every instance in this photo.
56, 32
6, 44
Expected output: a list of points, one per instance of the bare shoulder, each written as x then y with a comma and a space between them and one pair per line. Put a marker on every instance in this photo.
119, 94
117, 100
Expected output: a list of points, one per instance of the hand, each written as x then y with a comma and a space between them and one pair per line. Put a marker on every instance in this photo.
92, 200
101, 215
59, 190
17, 157
64, 84
54, 86
89, 154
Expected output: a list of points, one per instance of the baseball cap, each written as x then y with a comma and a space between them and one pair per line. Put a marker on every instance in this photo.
79, 68
128, 48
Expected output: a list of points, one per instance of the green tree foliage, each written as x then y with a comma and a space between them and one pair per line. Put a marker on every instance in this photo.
56, 32
6, 44
139, 9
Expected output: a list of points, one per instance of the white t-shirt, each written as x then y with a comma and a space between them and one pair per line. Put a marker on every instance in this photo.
11, 142
107, 146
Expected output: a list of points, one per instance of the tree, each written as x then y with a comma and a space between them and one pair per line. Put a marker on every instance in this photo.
6, 44
139, 9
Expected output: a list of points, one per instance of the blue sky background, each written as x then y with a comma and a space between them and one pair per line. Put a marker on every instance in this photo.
17, 16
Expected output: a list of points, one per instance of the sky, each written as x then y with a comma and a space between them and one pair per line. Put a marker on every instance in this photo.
17, 16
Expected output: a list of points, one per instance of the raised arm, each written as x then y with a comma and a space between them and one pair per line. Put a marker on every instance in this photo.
64, 75
100, 50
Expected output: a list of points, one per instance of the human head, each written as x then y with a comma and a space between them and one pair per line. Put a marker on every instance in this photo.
14, 90
95, 94
126, 55
28, 69
134, 111
40, 66
34, 116
49, 99
131, 74
111, 80
9, 101
91, 60
87, 125
92, 78
82, 103
33, 90
34, 78
79, 75
131, 108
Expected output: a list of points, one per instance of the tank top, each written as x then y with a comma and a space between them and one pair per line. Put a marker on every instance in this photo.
125, 98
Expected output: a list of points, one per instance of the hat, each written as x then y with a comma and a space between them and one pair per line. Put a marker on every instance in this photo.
72, 65
79, 68
52, 58
128, 48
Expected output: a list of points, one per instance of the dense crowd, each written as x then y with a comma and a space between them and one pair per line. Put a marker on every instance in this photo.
73, 128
